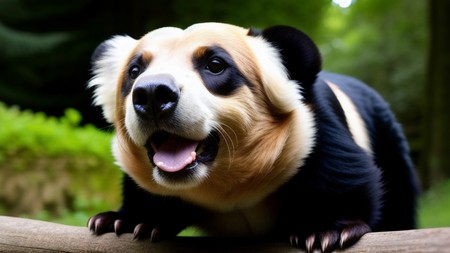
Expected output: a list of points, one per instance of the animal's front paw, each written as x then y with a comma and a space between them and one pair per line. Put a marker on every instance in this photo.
118, 223
339, 237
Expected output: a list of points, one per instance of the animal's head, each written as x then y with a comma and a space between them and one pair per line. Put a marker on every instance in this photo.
213, 113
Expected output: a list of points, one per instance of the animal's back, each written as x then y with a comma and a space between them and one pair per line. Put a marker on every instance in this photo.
390, 151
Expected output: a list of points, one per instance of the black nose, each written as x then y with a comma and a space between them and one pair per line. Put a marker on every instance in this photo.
155, 96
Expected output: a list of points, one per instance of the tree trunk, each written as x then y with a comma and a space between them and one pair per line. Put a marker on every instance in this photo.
435, 166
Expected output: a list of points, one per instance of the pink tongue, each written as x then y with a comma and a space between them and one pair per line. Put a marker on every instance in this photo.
175, 154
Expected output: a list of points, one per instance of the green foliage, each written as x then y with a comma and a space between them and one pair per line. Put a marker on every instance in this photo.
435, 206
51, 166
379, 43
259, 14
35, 134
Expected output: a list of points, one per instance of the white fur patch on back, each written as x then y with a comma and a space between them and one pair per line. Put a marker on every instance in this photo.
355, 122
107, 70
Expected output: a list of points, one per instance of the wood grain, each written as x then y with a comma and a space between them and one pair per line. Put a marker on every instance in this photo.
26, 235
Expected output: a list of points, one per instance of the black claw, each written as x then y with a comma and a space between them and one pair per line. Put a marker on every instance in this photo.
155, 235
103, 222
141, 231
90, 224
342, 235
99, 225
158, 234
309, 243
136, 231
119, 227
352, 233
329, 241
294, 239
119, 224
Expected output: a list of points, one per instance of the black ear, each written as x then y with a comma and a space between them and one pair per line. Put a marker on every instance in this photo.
100, 51
300, 54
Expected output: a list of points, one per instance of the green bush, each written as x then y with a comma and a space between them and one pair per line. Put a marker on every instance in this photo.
53, 168
434, 206
38, 134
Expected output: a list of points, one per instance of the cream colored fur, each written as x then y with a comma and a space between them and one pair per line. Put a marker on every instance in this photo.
355, 123
106, 72
266, 131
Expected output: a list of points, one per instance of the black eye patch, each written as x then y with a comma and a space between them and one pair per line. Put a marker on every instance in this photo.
135, 67
218, 70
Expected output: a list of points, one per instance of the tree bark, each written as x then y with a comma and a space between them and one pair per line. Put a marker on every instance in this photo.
25, 235
435, 165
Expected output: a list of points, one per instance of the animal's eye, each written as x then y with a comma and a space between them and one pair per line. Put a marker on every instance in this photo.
216, 65
134, 71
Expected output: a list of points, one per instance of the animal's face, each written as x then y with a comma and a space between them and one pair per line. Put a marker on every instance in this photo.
207, 113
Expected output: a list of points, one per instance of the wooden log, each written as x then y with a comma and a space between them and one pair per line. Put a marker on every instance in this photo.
26, 235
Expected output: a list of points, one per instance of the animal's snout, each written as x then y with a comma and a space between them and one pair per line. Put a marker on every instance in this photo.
155, 96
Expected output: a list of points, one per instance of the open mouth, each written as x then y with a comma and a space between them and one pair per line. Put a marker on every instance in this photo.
173, 154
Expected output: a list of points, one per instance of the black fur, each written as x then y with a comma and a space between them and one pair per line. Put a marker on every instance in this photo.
380, 189
300, 55
226, 81
99, 52
391, 155
341, 187
135, 67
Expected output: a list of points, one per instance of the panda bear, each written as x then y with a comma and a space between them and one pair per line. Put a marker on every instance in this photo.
238, 132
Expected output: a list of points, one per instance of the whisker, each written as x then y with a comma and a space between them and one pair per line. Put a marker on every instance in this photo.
230, 144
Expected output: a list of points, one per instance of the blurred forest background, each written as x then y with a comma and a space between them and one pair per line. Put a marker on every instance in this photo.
55, 161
